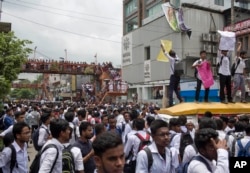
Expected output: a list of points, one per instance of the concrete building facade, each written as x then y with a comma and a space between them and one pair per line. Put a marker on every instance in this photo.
145, 25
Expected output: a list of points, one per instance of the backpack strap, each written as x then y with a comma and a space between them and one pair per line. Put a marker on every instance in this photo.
57, 153
240, 144
47, 130
123, 126
13, 161
150, 157
201, 159
142, 139
69, 147
247, 148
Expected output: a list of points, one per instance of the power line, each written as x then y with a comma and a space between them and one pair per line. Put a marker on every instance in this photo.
69, 10
47, 11
58, 29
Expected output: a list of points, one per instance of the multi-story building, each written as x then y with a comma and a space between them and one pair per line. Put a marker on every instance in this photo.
144, 25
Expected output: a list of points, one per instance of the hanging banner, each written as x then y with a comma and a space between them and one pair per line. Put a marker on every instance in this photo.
167, 44
170, 14
127, 50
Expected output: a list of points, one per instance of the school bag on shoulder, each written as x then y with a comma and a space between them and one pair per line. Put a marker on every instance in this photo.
35, 166
150, 157
234, 67
13, 162
144, 141
178, 68
35, 137
68, 164
183, 167
236, 138
244, 151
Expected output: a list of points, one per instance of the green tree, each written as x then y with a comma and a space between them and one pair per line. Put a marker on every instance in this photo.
13, 53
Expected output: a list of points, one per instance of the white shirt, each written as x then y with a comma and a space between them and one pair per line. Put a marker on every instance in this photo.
229, 139
48, 157
159, 164
119, 119
244, 141
189, 153
221, 166
77, 155
242, 65
21, 157
127, 129
8, 130
43, 135
224, 68
74, 135
172, 61
133, 143
199, 61
176, 141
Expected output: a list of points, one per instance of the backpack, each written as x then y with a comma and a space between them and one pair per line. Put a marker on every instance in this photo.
234, 67
186, 139
13, 161
144, 141
183, 167
35, 137
178, 68
68, 164
236, 137
35, 165
150, 157
244, 151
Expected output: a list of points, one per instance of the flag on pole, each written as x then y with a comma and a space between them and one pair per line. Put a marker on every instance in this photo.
167, 46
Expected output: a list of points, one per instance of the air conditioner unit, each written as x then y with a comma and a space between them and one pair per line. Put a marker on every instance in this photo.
215, 38
207, 48
214, 49
206, 37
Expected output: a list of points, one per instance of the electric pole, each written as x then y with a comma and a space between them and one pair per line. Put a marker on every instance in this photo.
232, 15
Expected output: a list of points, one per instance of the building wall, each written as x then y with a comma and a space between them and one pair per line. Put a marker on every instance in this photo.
151, 34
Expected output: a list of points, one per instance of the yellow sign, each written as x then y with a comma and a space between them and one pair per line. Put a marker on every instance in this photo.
167, 46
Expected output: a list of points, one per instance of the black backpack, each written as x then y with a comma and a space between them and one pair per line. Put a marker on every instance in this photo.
186, 139
13, 161
68, 164
35, 137
234, 67
35, 166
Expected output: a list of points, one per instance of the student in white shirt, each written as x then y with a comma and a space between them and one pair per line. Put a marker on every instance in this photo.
244, 141
60, 132
212, 151
69, 116
44, 132
223, 62
21, 133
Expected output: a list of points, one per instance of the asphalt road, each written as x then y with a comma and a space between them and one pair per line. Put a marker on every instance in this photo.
31, 152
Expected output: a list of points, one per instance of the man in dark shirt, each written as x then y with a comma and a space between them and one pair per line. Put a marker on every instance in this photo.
85, 145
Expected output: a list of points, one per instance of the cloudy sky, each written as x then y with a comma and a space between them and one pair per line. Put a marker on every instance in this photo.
82, 27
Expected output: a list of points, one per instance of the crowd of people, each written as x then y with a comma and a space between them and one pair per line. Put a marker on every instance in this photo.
113, 138
229, 76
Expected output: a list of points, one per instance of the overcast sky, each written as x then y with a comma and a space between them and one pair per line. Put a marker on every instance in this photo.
82, 27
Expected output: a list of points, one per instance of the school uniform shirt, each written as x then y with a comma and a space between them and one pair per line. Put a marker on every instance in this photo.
119, 119
189, 153
9, 130
77, 155
74, 135
132, 132
21, 157
133, 144
242, 65
160, 165
127, 129
228, 138
48, 157
221, 166
244, 142
224, 68
172, 61
43, 135
175, 142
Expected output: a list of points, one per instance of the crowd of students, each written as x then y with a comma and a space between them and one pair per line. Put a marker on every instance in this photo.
124, 138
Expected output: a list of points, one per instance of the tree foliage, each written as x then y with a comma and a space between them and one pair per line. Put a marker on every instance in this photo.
13, 53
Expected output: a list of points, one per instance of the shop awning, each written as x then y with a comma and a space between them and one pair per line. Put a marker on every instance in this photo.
201, 108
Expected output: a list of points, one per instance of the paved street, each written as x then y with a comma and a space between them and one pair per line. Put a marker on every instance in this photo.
32, 153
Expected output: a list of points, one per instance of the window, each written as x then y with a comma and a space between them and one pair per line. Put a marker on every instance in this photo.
147, 53
219, 2
243, 5
131, 7
154, 10
132, 24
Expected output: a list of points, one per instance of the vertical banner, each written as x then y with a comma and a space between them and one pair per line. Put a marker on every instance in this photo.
147, 71
170, 14
127, 50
